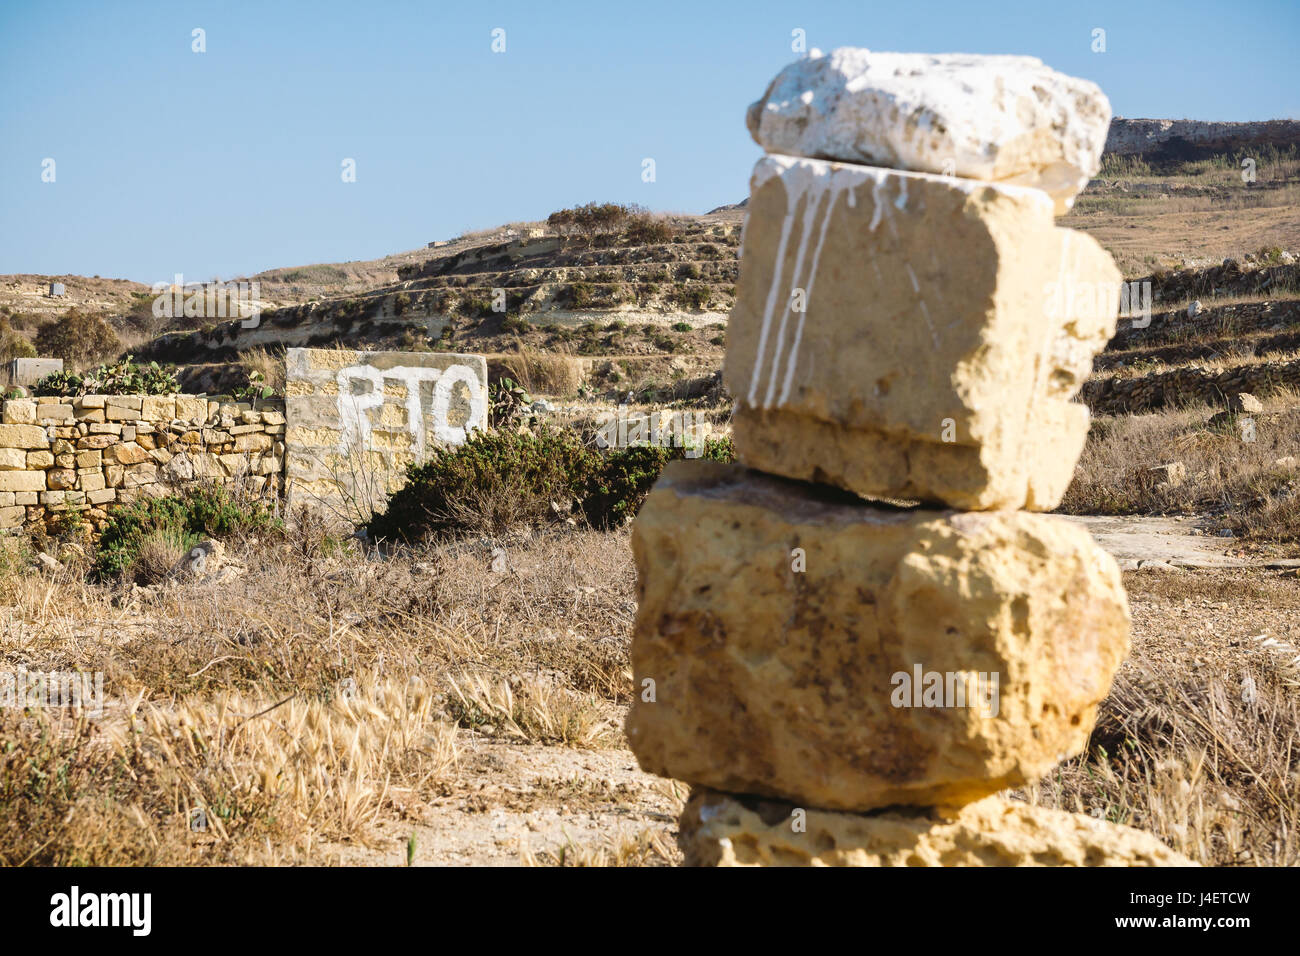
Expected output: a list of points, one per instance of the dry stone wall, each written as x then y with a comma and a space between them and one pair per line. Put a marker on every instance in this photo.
1183, 386
85, 454
350, 425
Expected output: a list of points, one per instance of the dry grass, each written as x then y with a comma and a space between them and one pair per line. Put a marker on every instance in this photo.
1241, 482
647, 847
265, 367
301, 701
1200, 747
158, 555
535, 708
233, 779
327, 696
540, 373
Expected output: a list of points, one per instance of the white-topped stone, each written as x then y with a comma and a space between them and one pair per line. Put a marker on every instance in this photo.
994, 118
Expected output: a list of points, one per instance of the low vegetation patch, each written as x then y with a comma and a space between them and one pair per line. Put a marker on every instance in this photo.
499, 481
121, 378
141, 536
1243, 469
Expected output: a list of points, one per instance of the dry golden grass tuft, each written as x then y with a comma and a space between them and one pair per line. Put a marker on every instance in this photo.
301, 701
159, 553
540, 373
647, 847
235, 778
268, 367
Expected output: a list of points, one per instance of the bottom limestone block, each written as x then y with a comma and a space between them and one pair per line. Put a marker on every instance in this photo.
719, 829
795, 642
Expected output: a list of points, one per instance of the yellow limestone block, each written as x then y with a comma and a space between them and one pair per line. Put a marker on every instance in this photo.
908, 335
792, 641
718, 829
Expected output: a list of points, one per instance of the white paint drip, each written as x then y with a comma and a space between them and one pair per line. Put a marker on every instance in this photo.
879, 207
778, 270
809, 180
812, 279
916, 287
809, 217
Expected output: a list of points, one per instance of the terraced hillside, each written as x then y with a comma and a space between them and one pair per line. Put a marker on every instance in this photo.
1214, 333
612, 295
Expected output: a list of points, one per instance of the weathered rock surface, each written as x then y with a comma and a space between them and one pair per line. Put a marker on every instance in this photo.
722, 830
1006, 118
811, 684
914, 336
1135, 136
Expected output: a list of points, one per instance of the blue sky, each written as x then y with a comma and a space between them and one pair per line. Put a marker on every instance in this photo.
228, 162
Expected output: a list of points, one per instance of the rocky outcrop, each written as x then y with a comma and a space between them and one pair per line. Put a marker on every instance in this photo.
1137, 136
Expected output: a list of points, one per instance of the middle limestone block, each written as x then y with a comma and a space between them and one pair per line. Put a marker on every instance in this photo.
908, 335
794, 644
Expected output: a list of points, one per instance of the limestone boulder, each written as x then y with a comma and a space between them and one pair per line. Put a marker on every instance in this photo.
905, 335
794, 642
1000, 118
723, 830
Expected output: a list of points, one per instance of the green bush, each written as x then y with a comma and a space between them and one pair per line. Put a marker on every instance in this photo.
499, 480
693, 297
579, 295
495, 481
617, 487
211, 512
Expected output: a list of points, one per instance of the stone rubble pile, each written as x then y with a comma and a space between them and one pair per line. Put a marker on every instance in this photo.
852, 682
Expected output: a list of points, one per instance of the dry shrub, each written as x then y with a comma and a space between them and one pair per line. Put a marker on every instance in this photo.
541, 373
488, 510
264, 367
81, 339
159, 553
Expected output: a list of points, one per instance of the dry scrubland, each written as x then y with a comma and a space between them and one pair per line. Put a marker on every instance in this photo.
328, 703
485, 723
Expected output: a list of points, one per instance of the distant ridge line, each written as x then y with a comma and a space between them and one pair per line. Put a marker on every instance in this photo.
1135, 136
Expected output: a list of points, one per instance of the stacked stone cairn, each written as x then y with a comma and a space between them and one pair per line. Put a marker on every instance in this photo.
850, 641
